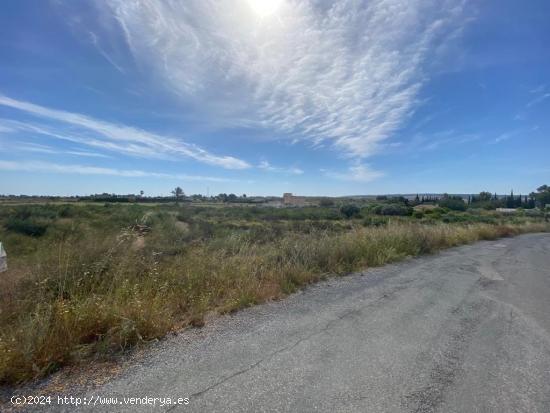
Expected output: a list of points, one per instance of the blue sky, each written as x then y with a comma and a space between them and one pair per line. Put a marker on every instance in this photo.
269, 96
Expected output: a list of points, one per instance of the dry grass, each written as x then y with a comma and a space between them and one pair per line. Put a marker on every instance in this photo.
83, 300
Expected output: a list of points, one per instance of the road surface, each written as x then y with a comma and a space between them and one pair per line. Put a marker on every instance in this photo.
467, 330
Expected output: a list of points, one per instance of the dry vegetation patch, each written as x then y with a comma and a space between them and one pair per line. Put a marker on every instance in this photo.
81, 291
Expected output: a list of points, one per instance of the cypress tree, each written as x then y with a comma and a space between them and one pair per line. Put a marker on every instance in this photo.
510, 202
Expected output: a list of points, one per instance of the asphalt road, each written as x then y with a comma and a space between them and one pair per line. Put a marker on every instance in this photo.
467, 330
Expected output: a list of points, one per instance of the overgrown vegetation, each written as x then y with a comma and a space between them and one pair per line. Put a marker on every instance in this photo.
89, 281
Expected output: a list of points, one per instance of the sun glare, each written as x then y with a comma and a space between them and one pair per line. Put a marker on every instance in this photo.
264, 8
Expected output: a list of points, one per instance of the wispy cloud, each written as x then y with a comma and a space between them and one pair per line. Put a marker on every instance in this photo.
537, 100
113, 137
538, 89
86, 153
426, 142
39, 148
504, 136
48, 167
347, 72
95, 42
6, 129
355, 173
266, 166
538, 95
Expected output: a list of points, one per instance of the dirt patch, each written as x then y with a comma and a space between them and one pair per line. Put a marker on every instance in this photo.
182, 226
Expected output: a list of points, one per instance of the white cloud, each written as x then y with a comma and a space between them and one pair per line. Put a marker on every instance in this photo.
538, 100
355, 173
114, 137
346, 72
35, 147
503, 137
6, 129
94, 40
508, 135
448, 139
86, 153
48, 167
266, 166
538, 89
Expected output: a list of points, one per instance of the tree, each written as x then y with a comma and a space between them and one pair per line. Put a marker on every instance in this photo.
453, 203
510, 203
349, 211
542, 196
518, 202
177, 192
485, 196
326, 202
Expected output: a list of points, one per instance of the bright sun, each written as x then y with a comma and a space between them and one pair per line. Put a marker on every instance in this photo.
264, 8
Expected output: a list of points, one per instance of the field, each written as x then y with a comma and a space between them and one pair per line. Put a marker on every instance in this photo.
88, 281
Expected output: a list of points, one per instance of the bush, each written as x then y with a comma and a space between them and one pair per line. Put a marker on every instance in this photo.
26, 227
350, 211
326, 202
393, 209
453, 218
374, 221
418, 214
454, 204
65, 211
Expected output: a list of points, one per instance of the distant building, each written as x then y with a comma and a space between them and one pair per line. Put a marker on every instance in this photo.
291, 200
3, 259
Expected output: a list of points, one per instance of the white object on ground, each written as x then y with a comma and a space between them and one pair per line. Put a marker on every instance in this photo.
3, 259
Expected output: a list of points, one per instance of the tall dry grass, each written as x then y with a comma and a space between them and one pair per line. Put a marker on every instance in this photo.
84, 299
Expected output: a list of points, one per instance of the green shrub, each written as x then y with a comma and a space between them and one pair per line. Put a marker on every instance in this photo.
326, 202
453, 218
393, 209
374, 220
418, 214
454, 204
26, 227
350, 211
65, 211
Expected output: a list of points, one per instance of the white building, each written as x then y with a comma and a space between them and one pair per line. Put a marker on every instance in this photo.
3, 259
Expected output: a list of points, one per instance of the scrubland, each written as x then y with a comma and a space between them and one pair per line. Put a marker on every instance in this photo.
87, 282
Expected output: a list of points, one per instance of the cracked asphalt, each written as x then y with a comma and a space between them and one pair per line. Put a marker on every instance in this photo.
466, 330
